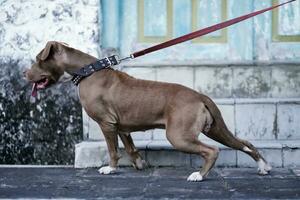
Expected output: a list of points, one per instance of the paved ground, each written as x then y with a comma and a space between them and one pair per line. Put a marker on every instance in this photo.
153, 183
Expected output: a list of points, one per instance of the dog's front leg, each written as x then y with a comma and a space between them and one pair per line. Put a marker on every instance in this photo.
132, 151
111, 138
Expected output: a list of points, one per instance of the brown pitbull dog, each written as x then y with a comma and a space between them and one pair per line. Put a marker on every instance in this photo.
121, 104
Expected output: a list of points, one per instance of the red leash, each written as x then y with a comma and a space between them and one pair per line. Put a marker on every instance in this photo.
113, 60
201, 32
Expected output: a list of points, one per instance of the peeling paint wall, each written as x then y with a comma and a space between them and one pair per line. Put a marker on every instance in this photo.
44, 132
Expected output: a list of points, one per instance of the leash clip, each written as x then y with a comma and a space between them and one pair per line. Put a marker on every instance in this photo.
109, 62
126, 58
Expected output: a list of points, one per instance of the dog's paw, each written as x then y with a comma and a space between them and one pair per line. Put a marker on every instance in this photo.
139, 164
107, 170
268, 167
196, 176
263, 167
262, 172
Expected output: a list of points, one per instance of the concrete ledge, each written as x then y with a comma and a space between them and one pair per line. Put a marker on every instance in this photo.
280, 153
90, 154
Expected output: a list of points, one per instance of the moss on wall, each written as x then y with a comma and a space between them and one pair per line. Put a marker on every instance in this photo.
43, 132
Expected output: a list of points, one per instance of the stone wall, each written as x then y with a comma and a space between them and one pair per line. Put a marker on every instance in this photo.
46, 131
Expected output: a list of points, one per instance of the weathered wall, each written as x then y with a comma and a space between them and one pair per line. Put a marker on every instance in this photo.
46, 131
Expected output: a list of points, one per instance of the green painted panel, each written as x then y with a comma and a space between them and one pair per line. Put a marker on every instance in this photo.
182, 17
155, 20
286, 22
207, 13
268, 45
289, 19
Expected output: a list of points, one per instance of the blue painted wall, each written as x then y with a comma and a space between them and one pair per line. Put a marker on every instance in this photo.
249, 41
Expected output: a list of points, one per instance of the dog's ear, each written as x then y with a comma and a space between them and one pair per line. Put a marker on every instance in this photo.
45, 53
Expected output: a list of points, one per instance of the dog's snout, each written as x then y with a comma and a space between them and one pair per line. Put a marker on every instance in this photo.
25, 73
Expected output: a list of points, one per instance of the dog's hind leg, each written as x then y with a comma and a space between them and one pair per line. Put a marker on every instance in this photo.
221, 134
182, 132
194, 146
132, 151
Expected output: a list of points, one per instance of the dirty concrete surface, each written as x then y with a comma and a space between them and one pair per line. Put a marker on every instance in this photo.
152, 183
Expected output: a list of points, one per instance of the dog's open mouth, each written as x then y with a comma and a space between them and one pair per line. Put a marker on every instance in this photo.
41, 84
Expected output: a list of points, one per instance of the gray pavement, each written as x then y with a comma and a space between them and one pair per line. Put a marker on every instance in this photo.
152, 183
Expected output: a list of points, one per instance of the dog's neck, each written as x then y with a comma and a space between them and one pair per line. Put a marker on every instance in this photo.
76, 60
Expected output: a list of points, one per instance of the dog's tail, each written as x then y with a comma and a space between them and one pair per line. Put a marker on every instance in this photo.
219, 131
214, 111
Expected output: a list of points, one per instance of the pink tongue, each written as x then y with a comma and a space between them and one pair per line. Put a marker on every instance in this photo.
34, 90
42, 85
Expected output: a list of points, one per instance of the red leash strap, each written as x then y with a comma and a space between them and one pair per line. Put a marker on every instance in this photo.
202, 32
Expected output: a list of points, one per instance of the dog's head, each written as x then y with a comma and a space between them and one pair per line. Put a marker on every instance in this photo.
48, 68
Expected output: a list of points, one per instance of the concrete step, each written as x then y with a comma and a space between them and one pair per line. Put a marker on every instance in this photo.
279, 153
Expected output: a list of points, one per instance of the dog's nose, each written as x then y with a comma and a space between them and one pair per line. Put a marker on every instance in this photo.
25, 73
